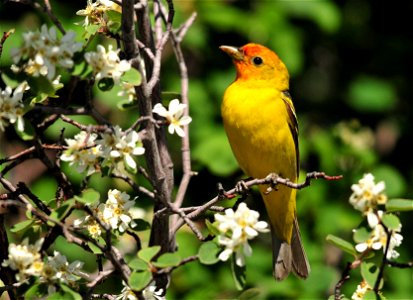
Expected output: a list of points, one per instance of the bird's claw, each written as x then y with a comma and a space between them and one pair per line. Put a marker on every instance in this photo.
241, 188
273, 183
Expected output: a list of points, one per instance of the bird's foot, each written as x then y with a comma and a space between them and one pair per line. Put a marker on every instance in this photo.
273, 182
241, 189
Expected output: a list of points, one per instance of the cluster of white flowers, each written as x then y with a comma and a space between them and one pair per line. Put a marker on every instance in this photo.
174, 115
366, 197
27, 261
87, 152
43, 51
119, 147
236, 228
82, 152
367, 194
11, 106
94, 12
107, 64
117, 212
149, 293
378, 239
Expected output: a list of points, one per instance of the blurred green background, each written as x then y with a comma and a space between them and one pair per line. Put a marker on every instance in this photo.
352, 84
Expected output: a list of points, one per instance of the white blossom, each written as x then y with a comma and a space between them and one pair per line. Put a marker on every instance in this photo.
107, 64
174, 115
27, 261
378, 240
82, 152
11, 106
367, 194
115, 211
119, 149
236, 228
43, 51
149, 293
94, 12
61, 271
24, 258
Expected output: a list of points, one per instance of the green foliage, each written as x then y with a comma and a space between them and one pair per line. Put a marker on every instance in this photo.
88, 196
139, 280
342, 244
208, 253
239, 274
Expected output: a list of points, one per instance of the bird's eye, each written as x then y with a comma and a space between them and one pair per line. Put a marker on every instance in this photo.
257, 60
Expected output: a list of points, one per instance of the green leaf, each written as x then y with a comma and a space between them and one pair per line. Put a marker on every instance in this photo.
82, 70
41, 87
391, 221
361, 235
106, 84
88, 196
371, 295
393, 205
27, 134
211, 227
141, 225
132, 76
139, 280
62, 211
21, 226
114, 20
250, 294
36, 291
12, 80
91, 29
369, 272
238, 273
65, 293
342, 244
138, 264
208, 253
168, 260
95, 249
148, 253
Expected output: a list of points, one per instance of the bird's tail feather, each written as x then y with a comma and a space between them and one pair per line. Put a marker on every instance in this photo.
289, 257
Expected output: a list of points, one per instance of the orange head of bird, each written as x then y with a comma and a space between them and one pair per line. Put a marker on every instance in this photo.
257, 63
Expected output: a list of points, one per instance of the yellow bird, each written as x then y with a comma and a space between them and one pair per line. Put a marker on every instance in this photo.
261, 125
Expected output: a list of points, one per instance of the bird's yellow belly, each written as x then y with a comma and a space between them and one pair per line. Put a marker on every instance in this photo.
260, 137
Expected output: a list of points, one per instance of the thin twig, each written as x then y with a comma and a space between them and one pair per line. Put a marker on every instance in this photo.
90, 128
400, 265
48, 9
4, 38
99, 278
186, 154
181, 263
271, 179
345, 275
383, 262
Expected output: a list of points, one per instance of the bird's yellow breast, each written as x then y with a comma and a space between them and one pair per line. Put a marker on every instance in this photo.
256, 121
